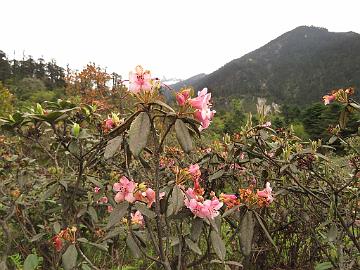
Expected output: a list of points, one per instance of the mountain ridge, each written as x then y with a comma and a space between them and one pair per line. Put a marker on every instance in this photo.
299, 66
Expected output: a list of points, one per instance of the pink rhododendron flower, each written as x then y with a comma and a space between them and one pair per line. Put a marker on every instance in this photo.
182, 97
108, 125
266, 193
110, 208
203, 113
137, 218
103, 200
96, 189
204, 116
329, 98
150, 196
194, 170
235, 166
140, 80
124, 189
207, 209
139, 196
201, 101
192, 194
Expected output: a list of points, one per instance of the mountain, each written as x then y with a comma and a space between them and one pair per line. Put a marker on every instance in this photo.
298, 67
189, 82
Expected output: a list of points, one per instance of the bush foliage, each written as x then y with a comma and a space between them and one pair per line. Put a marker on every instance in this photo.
120, 179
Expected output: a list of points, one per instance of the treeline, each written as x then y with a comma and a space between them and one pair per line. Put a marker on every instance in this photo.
31, 80
309, 122
49, 73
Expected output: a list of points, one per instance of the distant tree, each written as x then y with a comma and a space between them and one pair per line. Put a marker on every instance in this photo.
6, 101
55, 75
291, 113
27, 87
5, 68
234, 119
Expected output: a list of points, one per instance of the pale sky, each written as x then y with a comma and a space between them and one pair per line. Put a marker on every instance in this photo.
172, 38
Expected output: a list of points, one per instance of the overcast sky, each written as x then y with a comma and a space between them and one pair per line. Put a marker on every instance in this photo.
172, 38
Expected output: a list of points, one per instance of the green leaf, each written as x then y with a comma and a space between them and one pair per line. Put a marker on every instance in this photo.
193, 246
57, 227
323, 266
216, 175
37, 237
115, 232
231, 211
50, 191
93, 214
117, 214
69, 258
246, 233
176, 201
144, 210
196, 229
135, 250
102, 247
265, 230
84, 266
74, 148
218, 245
139, 133
76, 130
163, 104
31, 262
332, 233
183, 136
227, 262
112, 147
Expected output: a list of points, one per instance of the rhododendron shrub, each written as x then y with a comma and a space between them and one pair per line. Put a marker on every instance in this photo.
85, 190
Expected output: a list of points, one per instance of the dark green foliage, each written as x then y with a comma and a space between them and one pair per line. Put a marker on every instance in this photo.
295, 68
32, 80
317, 118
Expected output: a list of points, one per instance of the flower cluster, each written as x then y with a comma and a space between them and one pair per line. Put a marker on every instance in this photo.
230, 200
166, 162
128, 190
136, 219
68, 234
203, 112
340, 95
183, 96
261, 198
199, 206
111, 122
201, 104
140, 80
